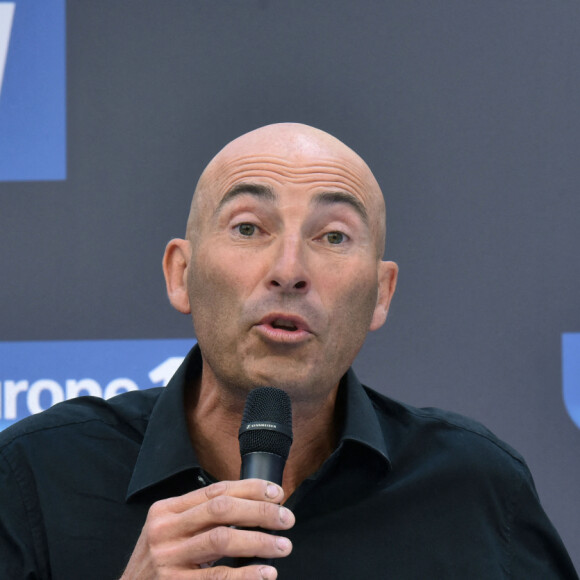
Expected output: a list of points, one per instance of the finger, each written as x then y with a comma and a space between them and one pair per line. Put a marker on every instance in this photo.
223, 511
164, 525
246, 573
224, 541
230, 511
259, 572
218, 543
256, 489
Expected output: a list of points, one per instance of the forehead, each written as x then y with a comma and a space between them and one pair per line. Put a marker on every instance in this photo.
284, 173
313, 161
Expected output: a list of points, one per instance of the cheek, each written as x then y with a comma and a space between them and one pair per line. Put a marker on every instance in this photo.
218, 283
208, 285
356, 298
212, 303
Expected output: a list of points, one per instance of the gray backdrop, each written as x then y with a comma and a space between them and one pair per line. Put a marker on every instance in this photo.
467, 111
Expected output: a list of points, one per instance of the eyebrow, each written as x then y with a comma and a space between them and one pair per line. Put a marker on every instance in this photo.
334, 197
255, 189
265, 192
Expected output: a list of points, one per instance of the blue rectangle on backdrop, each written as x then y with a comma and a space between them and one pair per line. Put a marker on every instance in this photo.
36, 375
571, 374
33, 90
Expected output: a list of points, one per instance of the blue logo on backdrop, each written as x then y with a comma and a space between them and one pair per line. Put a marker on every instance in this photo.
571, 374
32, 90
36, 375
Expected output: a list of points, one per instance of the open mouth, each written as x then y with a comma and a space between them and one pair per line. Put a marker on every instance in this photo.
284, 329
282, 324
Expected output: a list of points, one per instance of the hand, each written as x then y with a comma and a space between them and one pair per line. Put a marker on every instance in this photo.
182, 534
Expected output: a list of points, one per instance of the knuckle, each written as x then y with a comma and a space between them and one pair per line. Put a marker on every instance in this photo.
266, 541
266, 509
216, 489
156, 530
262, 542
220, 573
157, 525
157, 509
257, 487
220, 506
269, 513
219, 538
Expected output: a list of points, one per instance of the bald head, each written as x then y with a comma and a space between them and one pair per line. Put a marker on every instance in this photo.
298, 152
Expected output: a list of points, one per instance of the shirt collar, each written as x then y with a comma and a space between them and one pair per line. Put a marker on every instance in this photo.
361, 423
166, 449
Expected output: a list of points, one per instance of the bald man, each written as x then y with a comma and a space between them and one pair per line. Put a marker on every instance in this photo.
282, 272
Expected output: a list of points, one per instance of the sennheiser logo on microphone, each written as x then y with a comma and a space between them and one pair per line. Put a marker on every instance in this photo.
266, 426
261, 426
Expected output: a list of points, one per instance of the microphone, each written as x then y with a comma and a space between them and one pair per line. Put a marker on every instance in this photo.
265, 438
265, 434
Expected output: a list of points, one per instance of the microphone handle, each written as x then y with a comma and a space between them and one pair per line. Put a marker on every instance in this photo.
261, 465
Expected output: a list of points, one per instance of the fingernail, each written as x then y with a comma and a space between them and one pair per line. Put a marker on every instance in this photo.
283, 544
272, 491
285, 515
268, 573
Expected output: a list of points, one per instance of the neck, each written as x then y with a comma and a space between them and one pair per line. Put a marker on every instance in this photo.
214, 415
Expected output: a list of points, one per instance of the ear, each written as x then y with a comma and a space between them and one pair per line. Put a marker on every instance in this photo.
175, 268
387, 277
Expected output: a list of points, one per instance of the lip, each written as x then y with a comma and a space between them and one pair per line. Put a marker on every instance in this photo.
281, 335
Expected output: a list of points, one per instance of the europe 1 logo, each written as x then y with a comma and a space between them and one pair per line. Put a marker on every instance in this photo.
37, 375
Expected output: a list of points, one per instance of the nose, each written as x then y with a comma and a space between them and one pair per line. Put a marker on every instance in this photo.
288, 273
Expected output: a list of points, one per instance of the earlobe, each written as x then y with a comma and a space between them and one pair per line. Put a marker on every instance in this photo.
175, 268
387, 278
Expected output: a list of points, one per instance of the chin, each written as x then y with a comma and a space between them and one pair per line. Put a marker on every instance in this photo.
300, 384
278, 373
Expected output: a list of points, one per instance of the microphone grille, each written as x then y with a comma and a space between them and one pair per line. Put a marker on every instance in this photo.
267, 422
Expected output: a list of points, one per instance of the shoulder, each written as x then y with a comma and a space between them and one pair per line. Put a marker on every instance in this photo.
445, 438
131, 409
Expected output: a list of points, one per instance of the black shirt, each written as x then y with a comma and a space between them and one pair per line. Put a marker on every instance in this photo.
408, 493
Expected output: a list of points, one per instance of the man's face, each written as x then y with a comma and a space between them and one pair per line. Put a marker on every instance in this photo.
284, 275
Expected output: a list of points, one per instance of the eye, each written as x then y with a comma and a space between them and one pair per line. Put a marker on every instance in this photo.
246, 229
335, 237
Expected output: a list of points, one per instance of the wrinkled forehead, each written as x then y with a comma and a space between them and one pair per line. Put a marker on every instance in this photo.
288, 153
